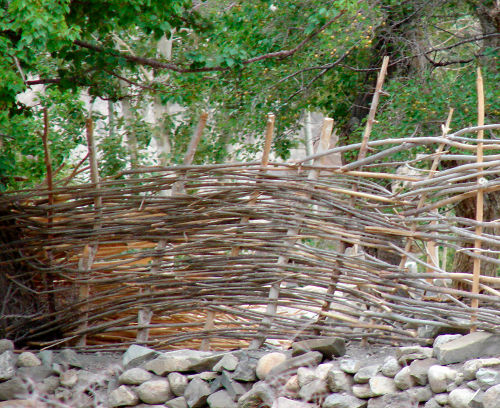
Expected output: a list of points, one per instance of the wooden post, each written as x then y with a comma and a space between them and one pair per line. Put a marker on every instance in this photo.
274, 291
90, 250
479, 200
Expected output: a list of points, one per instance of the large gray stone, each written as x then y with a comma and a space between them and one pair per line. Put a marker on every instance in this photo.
6, 345
137, 355
232, 387
196, 393
471, 367
246, 369
343, 401
350, 366
69, 358
338, 381
408, 354
221, 399
283, 402
134, 376
313, 391
35, 374
260, 395
444, 338
267, 362
381, 385
306, 375
491, 397
473, 345
123, 396
228, 362
7, 365
12, 389
290, 366
183, 361
390, 367
362, 391
179, 402
399, 400
154, 391
328, 346
28, 359
403, 379
178, 383
419, 369
440, 377
419, 394
460, 398
365, 373
487, 377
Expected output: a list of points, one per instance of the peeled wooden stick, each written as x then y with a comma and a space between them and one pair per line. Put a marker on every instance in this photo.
479, 201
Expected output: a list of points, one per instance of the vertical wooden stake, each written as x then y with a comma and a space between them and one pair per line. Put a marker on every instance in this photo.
90, 250
292, 233
479, 200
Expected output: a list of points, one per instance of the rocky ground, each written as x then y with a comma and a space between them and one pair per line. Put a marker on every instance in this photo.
457, 372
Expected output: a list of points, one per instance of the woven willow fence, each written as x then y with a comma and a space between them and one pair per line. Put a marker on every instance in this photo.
223, 256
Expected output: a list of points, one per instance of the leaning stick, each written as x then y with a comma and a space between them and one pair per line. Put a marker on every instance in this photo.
479, 201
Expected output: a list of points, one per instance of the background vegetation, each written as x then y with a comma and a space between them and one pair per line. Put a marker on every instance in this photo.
144, 70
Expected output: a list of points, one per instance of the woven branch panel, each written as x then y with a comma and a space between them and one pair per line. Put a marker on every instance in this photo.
128, 260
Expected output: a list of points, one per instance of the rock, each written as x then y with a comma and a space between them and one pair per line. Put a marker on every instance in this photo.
477, 400
290, 366
232, 387
440, 377
228, 362
432, 403
282, 402
313, 391
471, 367
205, 376
178, 383
322, 370
154, 391
350, 366
338, 381
365, 373
13, 388
362, 391
390, 366
221, 399
69, 357
403, 379
35, 374
305, 375
343, 401
179, 402
419, 394
46, 357
123, 396
246, 369
196, 393
380, 385
69, 378
267, 363
6, 345
183, 361
22, 404
328, 346
419, 369
487, 377
491, 397
28, 359
441, 399
444, 338
472, 345
134, 376
7, 365
473, 385
292, 387
406, 355
460, 398
137, 355
399, 400
260, 395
